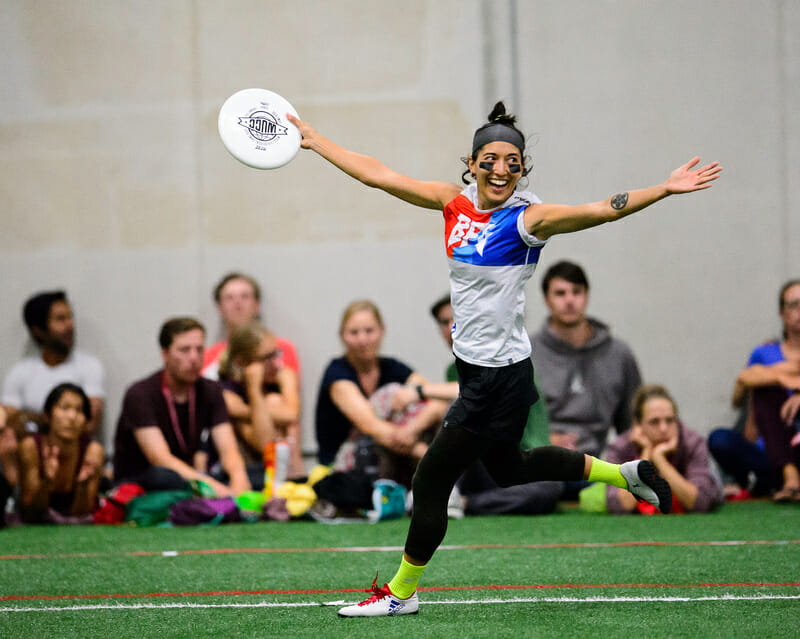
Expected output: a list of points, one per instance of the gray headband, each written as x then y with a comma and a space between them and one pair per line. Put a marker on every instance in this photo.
497, 132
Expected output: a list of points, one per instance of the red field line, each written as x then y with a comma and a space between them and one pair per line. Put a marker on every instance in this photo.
428, 589
218, 551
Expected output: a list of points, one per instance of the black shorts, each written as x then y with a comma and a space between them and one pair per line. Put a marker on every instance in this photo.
493, 402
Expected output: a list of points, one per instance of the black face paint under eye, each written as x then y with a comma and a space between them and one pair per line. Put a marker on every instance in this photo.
489, 166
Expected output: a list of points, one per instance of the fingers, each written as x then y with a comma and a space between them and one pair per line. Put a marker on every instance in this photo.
691, 163
789, 409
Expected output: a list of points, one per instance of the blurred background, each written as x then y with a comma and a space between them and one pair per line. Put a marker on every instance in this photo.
114, 184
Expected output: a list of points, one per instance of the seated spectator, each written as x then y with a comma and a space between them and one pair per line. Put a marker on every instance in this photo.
586, 375
679, 454
60, 467
770, 381
480, 495
739, 453
165, 415
238, 300
9, 467
261, 395
343, 409
51, 325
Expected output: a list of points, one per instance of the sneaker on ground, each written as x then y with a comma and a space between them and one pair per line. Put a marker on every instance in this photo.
382, 603
455, 505
646, 484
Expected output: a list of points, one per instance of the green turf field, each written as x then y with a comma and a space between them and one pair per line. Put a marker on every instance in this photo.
563, 575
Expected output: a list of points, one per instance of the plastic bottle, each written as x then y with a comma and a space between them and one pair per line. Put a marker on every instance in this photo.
269, 470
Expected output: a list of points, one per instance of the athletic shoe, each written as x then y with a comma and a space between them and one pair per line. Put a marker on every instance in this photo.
455, 505
382, 603
646, 484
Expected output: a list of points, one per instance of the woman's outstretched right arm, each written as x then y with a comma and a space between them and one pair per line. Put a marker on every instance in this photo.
373, 173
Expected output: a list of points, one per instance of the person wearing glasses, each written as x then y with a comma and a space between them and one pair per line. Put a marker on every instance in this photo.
237, 297
770, 381
261, 395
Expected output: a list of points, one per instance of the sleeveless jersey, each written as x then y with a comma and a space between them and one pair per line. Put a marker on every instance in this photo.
491, 256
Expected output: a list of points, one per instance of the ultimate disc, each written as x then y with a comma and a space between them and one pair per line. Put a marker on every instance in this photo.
253, 126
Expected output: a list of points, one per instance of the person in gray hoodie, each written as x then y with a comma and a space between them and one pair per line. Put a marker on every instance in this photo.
587, 376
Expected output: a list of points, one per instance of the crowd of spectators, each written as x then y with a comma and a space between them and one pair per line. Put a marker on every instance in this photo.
209, 413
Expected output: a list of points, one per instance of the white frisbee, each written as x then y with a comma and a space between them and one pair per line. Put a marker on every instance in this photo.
253, 127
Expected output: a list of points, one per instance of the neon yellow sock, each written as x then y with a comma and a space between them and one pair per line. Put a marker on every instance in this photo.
404, 583
606, 473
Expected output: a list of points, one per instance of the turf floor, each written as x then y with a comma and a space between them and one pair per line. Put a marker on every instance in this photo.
734, 573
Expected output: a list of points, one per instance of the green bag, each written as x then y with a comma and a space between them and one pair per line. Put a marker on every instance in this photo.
153, 508
591, 499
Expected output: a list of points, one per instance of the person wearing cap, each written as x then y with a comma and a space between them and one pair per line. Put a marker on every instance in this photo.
493, 235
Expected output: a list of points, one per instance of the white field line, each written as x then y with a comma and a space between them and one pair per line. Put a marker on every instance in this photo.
441, 602
362, 549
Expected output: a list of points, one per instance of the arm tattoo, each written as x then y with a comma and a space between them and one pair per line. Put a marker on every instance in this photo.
619, 201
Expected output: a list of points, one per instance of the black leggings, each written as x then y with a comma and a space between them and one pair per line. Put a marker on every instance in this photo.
453, 451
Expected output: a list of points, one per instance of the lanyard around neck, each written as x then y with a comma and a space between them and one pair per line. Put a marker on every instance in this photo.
173, 413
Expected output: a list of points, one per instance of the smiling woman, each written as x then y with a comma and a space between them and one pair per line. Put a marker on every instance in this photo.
493, 237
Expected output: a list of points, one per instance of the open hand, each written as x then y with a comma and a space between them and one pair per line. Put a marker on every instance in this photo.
686, 179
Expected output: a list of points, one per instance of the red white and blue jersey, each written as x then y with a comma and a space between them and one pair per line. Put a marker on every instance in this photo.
491, 257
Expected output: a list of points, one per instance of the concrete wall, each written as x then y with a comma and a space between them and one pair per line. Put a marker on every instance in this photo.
115, 186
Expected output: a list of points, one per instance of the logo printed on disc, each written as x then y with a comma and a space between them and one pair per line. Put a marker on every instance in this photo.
262, 126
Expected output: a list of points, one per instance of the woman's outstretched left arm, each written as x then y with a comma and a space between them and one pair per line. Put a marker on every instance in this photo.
546, 220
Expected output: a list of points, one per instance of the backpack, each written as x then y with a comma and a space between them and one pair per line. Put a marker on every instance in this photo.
204, 510
153, 508
112, 505
388, 501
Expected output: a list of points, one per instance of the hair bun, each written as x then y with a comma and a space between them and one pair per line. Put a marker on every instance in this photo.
500, 115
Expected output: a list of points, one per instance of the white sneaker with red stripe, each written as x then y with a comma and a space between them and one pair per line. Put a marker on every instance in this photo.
382, 603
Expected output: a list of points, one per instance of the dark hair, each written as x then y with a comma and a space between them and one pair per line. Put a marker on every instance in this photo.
565, 270
235, 275
504, 126
784, 288
36, 311
67, 387
176, 326
438, 304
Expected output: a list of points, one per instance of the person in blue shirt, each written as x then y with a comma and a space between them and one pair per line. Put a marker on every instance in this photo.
770, 445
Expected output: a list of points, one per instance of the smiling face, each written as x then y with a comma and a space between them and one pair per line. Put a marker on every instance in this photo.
66, 417
497, 169
362, 335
